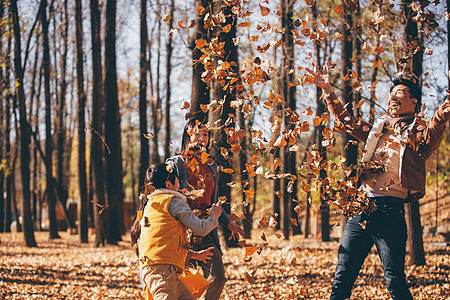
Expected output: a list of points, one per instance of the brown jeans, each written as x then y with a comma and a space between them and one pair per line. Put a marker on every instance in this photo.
163, 283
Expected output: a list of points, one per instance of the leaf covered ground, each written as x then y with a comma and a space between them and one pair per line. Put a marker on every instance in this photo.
278, 269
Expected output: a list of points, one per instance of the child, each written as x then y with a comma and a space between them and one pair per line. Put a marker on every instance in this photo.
163, 241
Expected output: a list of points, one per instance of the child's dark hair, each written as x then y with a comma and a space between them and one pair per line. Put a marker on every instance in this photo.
158, 174
413, 88
186, 139
156, 177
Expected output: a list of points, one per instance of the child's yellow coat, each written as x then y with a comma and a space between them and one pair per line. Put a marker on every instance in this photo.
163, 239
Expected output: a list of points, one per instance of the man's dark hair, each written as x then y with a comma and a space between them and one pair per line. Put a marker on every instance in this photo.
158, 174
414, 90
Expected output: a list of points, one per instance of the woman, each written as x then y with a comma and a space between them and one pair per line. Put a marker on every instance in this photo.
199, 179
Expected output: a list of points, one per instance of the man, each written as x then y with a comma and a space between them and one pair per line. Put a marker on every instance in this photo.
400, 144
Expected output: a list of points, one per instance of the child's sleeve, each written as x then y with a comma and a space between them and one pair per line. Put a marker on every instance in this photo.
179, 210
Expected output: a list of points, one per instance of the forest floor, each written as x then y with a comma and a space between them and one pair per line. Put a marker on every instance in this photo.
295, 269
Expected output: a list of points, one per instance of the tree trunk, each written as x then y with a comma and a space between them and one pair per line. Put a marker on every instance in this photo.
51, 197
62, 148
100, 214
9, 99
222, 115
2, 129
245, 181
83, 209
168, 82
290, 192
200, 89
114, 173
28, 230
156, 105
144, 154
412, 37
321, 109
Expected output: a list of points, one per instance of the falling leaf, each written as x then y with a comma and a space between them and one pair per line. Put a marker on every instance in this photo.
249, 250
185, 105
200, 10
222, 200
249, 278
200, 43
310, 3
166, 18
338, 35
228, 171
272, 222
378, 50
227, 28
148, 136
264, 10
339, 10
377, 63
308, 111
317, 121
243, 24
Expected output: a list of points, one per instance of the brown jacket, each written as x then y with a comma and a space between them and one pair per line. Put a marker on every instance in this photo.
423, 140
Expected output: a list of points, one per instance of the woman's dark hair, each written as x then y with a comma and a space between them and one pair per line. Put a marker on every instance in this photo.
413, 88
156, 177
186, 139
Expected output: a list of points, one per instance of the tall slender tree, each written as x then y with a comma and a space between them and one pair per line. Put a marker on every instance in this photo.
83, 210
60, 121
169, 48
319, 137
143, 67
225, 93
100, 213
8, 105
156, 104
2, 121
51, 196
28, 230
114, 171
288, 91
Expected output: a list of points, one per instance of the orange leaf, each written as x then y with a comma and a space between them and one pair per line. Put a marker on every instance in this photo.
377, 63
294, 222
254, 38
236, 148
378, 50
204, 157
200, 10
249, 250
185, 105
310, 2
264, 10
308, 111
339, 10
316, 121
180, 24
200, 43
227, 28
166, 18
243, 24
204, 108
374, 84
228, 171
